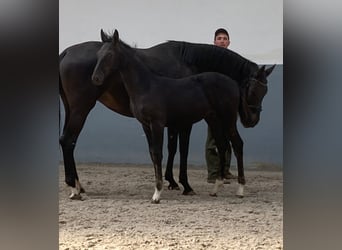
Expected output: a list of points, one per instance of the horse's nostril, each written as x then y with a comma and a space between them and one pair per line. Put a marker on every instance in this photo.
96, 79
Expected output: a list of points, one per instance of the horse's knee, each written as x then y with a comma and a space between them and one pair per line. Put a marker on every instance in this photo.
66, 143
172, 151
62, 140
156, 156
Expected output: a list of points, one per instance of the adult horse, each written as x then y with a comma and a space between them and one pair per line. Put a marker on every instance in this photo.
172, 59
159, 102
79, 96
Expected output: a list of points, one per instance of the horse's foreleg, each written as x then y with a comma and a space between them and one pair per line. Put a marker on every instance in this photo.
222, 144
172, 135
154, 134
184, 138
68, 141
68, 144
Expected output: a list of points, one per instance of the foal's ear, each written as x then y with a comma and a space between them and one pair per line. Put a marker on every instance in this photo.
116, 37
260, 71
269, 70
104, 37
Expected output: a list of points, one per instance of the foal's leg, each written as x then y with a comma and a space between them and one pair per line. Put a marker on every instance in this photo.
172, 135
221, 141
154, 134
237, 145
184, 138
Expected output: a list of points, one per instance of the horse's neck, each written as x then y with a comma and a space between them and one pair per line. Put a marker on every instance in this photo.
211, 58
137, 77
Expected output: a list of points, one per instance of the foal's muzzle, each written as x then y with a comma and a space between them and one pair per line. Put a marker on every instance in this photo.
97, 79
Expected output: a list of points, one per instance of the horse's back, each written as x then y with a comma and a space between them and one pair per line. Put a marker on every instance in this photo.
82, 54
222, 92
75, 69
213, 81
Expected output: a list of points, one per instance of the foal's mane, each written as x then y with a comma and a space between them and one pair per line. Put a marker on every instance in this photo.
122, 43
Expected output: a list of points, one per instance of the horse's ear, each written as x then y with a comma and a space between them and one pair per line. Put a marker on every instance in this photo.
260, 71
269, 70
116, 37
104, 37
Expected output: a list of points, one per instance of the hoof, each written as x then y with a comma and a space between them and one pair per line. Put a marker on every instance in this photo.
240, 191
213, 194
191, 192
173, 187
226, 181
155, 201
82, 191
75, 197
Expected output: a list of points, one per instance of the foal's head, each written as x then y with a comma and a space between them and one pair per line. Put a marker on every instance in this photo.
109, 58
256, 89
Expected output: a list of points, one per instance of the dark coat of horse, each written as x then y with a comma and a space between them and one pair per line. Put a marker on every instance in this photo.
172, 59
159, 102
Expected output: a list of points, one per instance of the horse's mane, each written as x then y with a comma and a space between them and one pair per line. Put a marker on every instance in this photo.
109, 36
208, 57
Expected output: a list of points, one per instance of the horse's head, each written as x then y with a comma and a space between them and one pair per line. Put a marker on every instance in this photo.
256, 89
108, 61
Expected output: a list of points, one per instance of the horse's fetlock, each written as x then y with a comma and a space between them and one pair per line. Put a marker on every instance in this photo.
242, 180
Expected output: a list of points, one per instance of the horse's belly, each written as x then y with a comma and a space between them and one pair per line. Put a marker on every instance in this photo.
184, 118
115, 104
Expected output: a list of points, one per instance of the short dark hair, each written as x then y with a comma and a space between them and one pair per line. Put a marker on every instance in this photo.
221, 30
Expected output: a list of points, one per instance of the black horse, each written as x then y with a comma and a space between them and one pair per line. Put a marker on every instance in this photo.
172, 59
159, 102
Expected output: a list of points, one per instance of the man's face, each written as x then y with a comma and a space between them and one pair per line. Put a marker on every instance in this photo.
222, 40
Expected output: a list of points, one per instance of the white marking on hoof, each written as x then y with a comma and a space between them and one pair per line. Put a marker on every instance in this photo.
156, 196
76, 191
75, 194
240, 191
218, 184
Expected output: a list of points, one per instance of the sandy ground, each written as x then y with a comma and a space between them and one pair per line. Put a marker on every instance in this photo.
116, 212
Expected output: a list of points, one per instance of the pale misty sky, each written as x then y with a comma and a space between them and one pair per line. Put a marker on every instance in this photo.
255, 27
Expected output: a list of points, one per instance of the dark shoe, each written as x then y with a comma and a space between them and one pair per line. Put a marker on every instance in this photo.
229, 176
225, 181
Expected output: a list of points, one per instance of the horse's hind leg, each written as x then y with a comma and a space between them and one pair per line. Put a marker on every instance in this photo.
184, 137
154, 134
172, 135
237, 144
68, 140
221, 141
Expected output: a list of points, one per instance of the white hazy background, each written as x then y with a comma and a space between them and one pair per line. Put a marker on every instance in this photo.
255, 27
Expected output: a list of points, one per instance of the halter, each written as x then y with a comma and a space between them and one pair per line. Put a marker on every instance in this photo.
258, 108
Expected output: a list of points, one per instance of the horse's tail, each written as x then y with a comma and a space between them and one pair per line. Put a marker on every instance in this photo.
62, 95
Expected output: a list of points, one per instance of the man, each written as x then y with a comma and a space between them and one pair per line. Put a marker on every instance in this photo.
221, 39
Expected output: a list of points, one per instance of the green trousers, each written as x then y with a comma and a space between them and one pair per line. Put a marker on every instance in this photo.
212, 158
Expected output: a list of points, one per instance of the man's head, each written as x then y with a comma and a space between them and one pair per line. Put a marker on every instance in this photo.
221, 38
